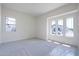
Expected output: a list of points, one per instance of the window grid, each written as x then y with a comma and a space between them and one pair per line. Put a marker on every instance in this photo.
10, 24
64, 26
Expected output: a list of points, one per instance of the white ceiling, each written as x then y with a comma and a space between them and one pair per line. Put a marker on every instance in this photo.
34, 9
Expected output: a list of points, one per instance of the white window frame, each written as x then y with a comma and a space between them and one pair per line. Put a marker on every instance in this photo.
56, 20
64, 16
9, 24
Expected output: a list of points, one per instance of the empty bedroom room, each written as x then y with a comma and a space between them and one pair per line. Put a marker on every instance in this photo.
39, 29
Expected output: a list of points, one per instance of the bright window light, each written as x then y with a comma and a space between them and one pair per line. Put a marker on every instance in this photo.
56, 42
66, 45
69, 27
60, 27
10, 24
53, 27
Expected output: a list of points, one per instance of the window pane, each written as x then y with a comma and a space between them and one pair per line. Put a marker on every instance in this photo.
69, 27
69, 23
60, 22
60, 27
10, 20
53, 22
53, 27
10, 24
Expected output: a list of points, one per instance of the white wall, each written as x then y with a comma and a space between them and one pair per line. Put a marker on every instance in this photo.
25, 26
28, 26
42, 25
0, 23
78, 27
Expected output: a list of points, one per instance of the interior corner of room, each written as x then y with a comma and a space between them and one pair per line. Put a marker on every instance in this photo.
36, 24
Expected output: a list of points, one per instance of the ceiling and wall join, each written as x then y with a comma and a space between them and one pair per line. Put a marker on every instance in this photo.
42, 10
34, 9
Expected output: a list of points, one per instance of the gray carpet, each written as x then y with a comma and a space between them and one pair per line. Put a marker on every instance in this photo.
35, 47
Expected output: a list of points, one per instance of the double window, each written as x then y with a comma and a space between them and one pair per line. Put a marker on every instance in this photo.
63, 26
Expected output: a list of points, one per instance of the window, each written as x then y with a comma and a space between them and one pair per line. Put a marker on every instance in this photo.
69, 27
10, 24
59, 28
53, 27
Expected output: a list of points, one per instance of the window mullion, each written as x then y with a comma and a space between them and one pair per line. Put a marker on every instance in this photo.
64, 26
